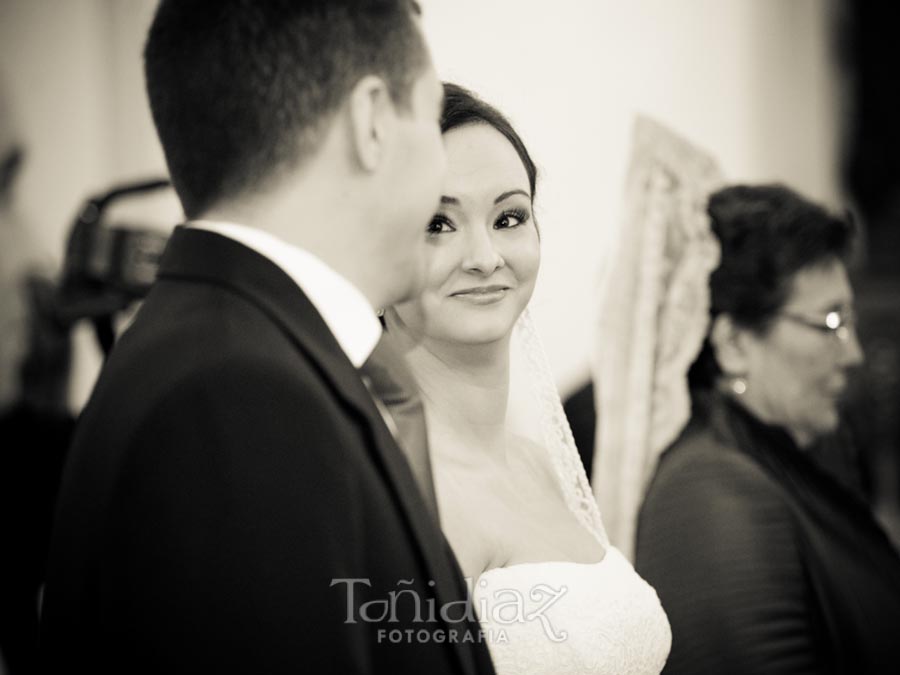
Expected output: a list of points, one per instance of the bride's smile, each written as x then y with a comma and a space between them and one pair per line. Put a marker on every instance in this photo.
482, 295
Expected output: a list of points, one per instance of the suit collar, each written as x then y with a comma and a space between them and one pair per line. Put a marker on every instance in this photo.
198, 255
346, 311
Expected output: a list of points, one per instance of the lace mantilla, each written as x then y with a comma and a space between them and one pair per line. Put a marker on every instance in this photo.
555, 435
654, 315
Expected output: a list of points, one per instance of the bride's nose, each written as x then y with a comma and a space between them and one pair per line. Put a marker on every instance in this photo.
481, 255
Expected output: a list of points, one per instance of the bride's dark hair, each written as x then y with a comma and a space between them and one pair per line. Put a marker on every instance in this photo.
462, 107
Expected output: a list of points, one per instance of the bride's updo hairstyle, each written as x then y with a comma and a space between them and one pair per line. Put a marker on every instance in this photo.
767, 234
462, 107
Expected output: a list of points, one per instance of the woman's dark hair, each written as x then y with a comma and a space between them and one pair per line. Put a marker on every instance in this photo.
767, 234
462, 107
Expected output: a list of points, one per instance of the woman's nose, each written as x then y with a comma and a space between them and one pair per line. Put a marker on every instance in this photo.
853, 354
481, 254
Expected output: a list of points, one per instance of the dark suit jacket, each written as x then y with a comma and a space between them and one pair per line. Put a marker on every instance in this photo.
763, 561
33, 444
229, 478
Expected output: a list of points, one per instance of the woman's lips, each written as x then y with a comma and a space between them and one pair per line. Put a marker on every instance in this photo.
837, 387
481, 295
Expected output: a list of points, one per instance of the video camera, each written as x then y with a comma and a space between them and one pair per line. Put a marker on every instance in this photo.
107, 266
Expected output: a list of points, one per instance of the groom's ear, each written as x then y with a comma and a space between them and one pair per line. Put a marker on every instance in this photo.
372, 120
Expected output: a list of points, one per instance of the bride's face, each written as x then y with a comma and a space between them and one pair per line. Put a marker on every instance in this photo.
483, 251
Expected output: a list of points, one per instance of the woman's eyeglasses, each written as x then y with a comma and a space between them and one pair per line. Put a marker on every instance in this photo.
839, 323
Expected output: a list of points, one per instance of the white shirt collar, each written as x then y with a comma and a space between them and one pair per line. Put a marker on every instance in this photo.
342, 305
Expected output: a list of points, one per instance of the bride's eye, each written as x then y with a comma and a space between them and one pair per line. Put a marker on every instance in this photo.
439, 225
510, 219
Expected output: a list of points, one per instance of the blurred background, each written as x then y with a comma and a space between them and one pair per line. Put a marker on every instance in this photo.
799, 91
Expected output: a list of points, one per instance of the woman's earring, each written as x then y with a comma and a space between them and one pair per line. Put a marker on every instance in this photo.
738, 385
379, 313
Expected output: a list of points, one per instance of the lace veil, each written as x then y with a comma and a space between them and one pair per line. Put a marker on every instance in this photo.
535, 411
652, 319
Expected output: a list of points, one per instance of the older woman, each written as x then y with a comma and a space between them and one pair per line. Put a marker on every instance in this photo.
763, 561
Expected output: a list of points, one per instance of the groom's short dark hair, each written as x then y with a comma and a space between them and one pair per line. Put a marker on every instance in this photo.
240, 89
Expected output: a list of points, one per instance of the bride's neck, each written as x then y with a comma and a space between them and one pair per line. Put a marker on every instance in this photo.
464, 390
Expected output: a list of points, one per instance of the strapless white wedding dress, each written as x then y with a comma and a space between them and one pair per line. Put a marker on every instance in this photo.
562, 618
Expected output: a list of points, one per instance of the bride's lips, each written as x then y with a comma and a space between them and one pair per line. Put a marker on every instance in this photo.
481, 295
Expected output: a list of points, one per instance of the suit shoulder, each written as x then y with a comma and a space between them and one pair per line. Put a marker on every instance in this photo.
200, 336
205, 320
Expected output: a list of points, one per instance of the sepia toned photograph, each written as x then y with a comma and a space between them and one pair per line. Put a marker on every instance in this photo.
469, 337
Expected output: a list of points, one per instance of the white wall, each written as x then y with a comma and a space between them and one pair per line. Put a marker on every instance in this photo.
54, 72
72, 71
748, 79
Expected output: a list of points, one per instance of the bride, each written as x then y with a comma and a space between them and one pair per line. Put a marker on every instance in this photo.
514, 502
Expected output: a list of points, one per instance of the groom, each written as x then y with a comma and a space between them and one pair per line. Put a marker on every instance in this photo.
234, 501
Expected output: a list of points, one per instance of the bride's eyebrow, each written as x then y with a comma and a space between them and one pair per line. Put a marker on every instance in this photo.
510, 193
447, 199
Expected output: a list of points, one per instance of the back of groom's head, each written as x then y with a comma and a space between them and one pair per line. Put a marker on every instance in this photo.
241, 90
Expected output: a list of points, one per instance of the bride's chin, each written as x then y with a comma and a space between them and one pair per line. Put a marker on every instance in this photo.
455, 323
481, 332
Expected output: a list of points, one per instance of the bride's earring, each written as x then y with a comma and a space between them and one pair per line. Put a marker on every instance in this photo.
738, 385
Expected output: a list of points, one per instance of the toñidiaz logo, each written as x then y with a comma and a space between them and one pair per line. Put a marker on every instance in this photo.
497, 610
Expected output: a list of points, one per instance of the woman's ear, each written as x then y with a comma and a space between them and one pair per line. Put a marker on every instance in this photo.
730, 343
372, 118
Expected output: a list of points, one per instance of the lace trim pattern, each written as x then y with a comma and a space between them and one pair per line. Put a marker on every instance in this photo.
556, 434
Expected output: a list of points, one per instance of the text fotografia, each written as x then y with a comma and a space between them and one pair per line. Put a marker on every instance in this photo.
504, 607
439, 635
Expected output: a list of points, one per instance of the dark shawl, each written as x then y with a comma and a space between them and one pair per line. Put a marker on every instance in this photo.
763, 561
